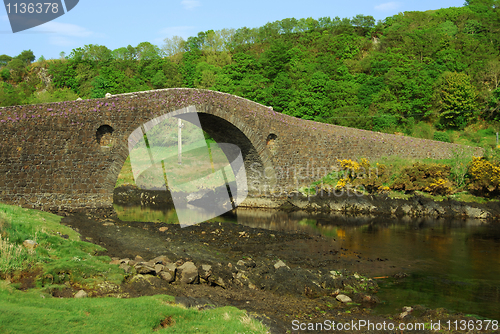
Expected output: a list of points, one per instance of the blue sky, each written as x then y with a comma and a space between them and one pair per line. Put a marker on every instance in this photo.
119, 23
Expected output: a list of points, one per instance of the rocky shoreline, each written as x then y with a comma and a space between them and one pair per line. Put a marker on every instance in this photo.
347, 203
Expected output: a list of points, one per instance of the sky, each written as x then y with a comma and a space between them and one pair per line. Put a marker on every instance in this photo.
117, 24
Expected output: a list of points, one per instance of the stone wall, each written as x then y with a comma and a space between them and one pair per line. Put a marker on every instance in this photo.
62, 155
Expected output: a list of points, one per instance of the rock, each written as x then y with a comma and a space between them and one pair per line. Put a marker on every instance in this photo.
252, 286
108, 224
167, 276
280, 264
139, 258
187, 273
240, 263
144, 269
476, 213
79, 99
30, 244
163, 229
404, 314
407, 309
125, 267
108, 95
161, 260
158, 268
116, 262
81, 294
344, 299
205, 271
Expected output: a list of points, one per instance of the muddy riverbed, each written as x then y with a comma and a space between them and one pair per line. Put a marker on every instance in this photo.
278, 276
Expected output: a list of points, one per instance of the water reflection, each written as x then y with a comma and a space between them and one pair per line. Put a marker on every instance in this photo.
451, 263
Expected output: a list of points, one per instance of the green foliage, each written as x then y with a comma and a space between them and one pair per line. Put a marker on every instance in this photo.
9, 96
100, 86
4, 59
17, 69
431, 178
27, 57
159, 80
56, 95
456, 100
5, 74
442, 136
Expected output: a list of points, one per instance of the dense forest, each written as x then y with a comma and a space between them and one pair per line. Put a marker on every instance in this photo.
439, 67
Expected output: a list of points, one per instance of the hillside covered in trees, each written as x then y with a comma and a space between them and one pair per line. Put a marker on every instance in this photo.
439, 67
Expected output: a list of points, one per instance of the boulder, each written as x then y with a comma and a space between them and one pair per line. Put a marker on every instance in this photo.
343, 298
280, 264
30, 244
205, 271
187, 273
145, 269
167, 276
161, 260
81, 294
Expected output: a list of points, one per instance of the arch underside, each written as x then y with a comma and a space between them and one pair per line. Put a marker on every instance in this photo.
260, 173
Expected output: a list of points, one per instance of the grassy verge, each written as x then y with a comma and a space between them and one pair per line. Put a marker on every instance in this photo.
62, 260
36, 312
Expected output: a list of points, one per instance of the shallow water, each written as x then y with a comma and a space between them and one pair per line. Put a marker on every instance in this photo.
453, 264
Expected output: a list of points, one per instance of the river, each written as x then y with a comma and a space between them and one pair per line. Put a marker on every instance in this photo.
453, 264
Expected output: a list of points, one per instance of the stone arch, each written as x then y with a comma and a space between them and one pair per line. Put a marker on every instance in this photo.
259, 168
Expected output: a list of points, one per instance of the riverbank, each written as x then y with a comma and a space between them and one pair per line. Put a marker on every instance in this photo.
345, 202
278, 277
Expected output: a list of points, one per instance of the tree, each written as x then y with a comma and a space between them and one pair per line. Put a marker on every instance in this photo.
17, 69
27, 57
174, 46
41, 59
159, 80
4, 59
100, 87
456, 100
8, 95
492, 72
148, 51
91, 52
62, 55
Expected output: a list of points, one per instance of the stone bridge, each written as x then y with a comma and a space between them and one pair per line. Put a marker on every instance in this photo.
53, 156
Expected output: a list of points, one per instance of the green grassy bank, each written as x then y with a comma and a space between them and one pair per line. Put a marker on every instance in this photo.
61, 260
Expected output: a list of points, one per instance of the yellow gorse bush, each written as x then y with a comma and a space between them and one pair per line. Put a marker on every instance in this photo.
484, 176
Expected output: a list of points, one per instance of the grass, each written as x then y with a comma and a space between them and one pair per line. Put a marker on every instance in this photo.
61, 259
195, 172
36, 312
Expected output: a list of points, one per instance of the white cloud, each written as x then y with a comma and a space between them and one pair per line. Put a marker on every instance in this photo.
182, 31
388, 6
64, 29
190, 4
62, 41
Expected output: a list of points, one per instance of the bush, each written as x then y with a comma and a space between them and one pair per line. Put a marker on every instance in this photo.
362, 174
442, 136
484, 177
431, 178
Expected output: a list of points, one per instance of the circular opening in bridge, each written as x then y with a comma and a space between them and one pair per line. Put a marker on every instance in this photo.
103, 135
271, 138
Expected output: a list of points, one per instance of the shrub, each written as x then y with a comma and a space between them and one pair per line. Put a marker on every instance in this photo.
362, 174
484, 177
431, 178
442, 136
